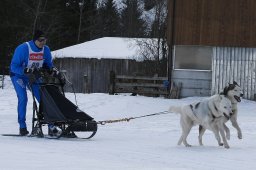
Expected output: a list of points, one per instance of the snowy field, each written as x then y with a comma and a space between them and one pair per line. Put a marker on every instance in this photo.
142, 144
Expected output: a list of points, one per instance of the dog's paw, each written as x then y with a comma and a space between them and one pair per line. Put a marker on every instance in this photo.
226, 146
239, 136
187, 145
221, 144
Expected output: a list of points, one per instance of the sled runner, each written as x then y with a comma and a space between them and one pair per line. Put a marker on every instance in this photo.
55, 109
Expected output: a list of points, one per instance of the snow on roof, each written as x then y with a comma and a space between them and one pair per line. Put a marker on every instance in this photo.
107, 47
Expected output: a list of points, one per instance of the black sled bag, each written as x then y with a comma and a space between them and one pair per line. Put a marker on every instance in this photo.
56, 107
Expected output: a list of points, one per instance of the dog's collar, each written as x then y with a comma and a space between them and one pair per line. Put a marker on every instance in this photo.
226, 116
213, 116
195, 117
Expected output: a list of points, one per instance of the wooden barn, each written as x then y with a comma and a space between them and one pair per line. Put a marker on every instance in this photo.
88, 65
213, 42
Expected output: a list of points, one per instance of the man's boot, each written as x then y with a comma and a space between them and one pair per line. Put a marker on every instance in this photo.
24, 131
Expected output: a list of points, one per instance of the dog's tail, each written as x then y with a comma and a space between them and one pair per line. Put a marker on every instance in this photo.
175, 109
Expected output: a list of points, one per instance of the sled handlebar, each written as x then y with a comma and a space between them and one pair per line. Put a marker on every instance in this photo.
47, 76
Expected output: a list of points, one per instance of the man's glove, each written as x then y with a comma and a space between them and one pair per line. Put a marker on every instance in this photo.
55, 72
29, 70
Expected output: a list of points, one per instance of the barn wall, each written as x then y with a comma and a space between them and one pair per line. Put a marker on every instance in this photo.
213, 22
194, 82
228, 64
234, 64
228, 27
92, 75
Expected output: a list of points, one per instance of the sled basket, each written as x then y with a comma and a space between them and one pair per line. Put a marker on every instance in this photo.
56, 109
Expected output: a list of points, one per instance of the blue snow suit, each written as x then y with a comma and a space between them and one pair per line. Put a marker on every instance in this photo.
27, 55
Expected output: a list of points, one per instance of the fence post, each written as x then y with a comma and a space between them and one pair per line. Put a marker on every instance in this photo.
112, 77
155, 82
1, 81
86, 87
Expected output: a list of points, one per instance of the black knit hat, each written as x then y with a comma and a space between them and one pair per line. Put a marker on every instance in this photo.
38, 34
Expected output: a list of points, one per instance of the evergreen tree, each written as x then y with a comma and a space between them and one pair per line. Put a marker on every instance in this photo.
81, 17
73, 19
14, 28
149, 4
132, 24
109, 19
90, 29
63, 21
53, 20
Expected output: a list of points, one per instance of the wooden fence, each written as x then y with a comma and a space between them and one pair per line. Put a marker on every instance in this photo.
142, 85
92, 75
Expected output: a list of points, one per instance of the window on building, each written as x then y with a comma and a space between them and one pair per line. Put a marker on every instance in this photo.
193, 57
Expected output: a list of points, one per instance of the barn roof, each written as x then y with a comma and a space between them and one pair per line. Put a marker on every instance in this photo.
107, 47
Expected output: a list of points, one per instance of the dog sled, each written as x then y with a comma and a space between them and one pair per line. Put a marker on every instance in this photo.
55, 109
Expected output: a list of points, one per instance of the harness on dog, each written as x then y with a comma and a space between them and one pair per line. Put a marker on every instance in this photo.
213, 116
193, 117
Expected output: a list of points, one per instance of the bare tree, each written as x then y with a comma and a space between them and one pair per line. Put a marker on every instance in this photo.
155, 48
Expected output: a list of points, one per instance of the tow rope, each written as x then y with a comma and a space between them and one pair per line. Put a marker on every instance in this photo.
130, 118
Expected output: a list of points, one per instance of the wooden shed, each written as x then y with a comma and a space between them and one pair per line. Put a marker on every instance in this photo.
88, 65
213, 43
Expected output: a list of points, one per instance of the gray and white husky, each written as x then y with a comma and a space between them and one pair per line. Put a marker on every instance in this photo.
234, 93
209, 113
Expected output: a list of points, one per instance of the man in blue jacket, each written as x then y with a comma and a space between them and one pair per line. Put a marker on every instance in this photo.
28, 57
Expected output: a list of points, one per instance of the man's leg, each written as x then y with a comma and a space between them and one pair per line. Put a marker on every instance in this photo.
35, 88
20, 88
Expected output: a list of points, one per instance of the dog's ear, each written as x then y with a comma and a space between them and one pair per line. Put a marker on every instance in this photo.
235, 83
225, 91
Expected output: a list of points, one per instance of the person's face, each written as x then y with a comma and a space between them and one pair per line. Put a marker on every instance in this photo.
40, 42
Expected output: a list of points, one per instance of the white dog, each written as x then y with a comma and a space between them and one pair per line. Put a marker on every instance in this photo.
234, 93
209, 113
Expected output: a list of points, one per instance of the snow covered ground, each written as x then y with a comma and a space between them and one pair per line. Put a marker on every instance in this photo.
142, 144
